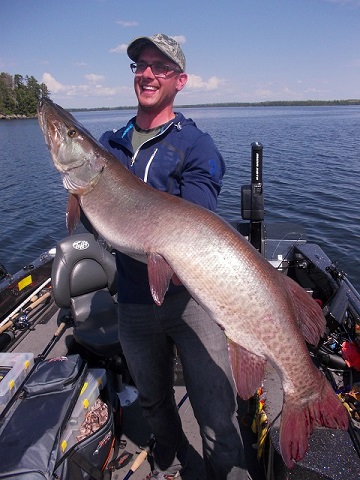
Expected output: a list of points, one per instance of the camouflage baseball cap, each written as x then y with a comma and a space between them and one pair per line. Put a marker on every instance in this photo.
167, 45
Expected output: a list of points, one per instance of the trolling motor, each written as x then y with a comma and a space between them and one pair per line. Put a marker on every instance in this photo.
3, 272
252, 199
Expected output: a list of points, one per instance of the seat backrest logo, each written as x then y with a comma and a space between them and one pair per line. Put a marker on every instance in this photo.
81, 245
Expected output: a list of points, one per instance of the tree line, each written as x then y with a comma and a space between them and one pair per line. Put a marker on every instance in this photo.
279, 103
19, 96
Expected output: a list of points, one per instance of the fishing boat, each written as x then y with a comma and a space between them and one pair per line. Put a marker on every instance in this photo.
42, 315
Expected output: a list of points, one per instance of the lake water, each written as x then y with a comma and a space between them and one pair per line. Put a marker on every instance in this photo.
311, 175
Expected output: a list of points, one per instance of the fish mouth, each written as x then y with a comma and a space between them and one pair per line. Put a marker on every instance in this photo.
43, 123
71, 146
67, 168
55, 125
50, 125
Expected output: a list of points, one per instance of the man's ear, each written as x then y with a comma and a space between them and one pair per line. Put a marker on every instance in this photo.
181, 81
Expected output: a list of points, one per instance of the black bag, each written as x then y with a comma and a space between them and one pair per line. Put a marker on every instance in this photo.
31, 431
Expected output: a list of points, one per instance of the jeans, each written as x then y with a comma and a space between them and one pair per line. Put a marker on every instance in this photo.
148, 334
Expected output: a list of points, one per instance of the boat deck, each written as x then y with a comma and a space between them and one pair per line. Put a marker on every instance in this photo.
135, 432
331, 453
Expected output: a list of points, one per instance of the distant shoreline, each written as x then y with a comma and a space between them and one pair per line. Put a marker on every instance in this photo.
16, 117
278, 103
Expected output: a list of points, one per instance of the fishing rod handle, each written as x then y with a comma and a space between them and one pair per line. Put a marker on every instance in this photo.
139, 460
7, 325
38, 301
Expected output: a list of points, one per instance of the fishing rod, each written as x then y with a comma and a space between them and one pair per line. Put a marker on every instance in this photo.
67, 321
148, 448
15, 329
27, 300
21, 318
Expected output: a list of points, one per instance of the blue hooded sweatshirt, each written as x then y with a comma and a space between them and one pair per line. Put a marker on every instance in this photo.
180, 160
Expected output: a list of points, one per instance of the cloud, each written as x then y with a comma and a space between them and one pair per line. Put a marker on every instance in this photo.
91, 77
283, 92
263, 93
91, 89
53, 85
317, 91
195, 82
122, 48
179, 38
127, 24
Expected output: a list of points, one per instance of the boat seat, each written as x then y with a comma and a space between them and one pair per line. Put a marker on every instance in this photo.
84, 280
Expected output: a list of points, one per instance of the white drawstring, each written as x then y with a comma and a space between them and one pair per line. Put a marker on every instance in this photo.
148, 165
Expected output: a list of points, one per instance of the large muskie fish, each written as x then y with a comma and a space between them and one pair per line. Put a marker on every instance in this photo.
265, 315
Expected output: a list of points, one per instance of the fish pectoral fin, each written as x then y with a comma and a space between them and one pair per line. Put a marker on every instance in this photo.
248, 369
160, 273
72, 212
176, 280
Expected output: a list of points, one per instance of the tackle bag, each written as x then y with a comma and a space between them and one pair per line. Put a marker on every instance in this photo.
31, 432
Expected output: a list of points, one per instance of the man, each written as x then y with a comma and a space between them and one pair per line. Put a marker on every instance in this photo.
171, 154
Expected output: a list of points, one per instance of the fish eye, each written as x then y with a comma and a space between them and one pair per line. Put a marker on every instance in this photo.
71, 133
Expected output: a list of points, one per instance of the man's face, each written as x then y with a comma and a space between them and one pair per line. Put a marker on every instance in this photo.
154, 92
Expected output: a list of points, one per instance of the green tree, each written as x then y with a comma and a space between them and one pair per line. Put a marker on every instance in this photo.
44, 91
7, 97
20, 95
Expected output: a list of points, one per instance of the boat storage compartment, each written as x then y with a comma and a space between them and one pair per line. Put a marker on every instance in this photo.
95, 381
13, 369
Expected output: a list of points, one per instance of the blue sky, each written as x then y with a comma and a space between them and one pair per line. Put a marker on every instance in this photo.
236, 50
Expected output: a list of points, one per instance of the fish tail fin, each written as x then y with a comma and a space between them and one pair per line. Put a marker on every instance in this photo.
310, 318
299, 420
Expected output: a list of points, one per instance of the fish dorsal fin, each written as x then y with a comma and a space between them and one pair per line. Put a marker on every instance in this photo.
72, 212
248, 369
160, 273
310, 318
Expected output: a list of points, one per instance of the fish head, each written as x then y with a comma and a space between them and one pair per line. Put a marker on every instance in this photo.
74, 151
